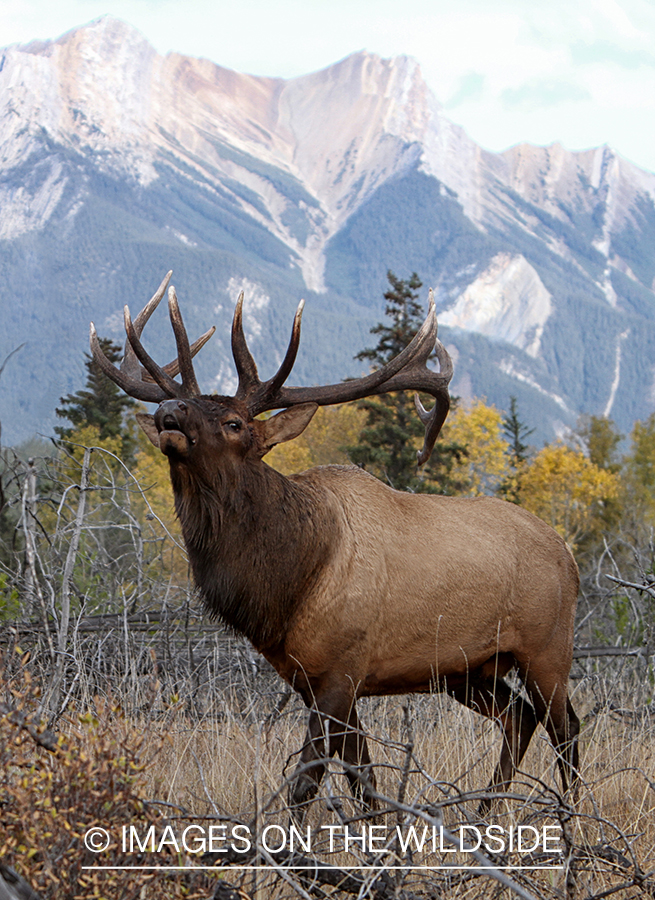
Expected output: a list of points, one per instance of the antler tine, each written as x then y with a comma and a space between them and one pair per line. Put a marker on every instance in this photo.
173, 368
377, 382
243, 360
433, 419
130, 364
433, 422
271, 387
184, 358
170, 387
261, 396
150, 382
135, 387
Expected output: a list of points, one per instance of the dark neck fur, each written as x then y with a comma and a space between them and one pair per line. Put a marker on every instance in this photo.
256, 545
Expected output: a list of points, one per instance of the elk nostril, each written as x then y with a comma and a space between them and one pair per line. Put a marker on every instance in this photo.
169, 422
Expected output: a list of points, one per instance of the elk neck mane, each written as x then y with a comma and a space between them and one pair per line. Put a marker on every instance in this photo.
257, 542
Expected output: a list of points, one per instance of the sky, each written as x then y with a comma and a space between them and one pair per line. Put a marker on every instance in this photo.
581, 72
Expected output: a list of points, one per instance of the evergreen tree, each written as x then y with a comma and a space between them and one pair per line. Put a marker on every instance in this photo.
516, 433
393, 431
100, 404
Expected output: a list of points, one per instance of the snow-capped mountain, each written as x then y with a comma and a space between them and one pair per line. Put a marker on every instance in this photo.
117, 164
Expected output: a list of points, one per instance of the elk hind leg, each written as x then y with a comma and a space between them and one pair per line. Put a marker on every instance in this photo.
311, 765
556, 713
517, 719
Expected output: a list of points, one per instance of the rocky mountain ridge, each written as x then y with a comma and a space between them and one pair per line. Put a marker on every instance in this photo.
117, 163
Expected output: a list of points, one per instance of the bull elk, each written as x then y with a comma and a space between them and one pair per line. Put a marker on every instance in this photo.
350, 588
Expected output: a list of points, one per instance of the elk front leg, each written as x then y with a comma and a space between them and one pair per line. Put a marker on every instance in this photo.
360, 769
311, 766
334, 729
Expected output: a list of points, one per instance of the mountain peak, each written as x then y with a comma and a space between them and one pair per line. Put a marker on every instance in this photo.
105, 27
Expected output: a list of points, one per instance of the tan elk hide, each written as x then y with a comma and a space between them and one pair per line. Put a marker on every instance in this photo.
348, 587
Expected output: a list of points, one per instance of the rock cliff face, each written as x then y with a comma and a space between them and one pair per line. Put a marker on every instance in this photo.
117, 164
507, 301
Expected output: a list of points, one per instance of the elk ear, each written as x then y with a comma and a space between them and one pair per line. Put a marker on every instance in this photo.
147, 423
285, 426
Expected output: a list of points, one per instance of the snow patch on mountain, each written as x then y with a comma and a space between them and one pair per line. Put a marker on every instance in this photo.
509, 367
255, 300
507, 302
617, 373
27, 207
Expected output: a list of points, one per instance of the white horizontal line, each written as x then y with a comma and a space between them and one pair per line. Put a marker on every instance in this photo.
317, 868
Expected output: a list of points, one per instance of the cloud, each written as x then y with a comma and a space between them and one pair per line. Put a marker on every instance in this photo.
543, 92
601, 52
470, 87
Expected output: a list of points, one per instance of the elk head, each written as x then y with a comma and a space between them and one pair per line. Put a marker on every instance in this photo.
191, 426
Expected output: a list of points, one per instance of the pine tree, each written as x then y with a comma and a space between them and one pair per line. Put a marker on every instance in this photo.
393, 431
516, 434
100, 404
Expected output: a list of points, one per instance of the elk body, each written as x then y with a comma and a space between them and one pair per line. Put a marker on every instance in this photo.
348, 587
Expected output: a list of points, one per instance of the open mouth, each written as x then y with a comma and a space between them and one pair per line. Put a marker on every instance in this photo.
174, 443
172, 439
169, 422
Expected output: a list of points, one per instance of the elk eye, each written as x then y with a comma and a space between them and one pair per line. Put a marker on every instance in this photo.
233, 426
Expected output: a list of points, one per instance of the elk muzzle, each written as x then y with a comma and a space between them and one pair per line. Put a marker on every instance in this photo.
171, 420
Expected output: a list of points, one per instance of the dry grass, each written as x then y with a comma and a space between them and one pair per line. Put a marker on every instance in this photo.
228, 766
228, 757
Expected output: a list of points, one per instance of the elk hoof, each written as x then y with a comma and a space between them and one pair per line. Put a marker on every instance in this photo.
302, 791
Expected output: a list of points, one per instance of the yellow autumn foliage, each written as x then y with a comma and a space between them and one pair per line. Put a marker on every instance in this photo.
156, 506
321, 443
486, 464
567, 490
89, 436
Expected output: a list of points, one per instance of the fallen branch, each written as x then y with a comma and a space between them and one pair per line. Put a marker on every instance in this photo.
14, 887
588, 652
40, 735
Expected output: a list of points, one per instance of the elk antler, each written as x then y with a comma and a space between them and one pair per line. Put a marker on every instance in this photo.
150, 382
261, 396
141, 377
407, 371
